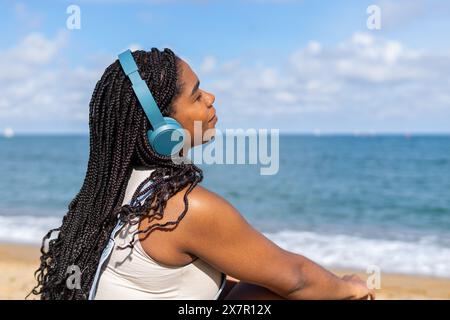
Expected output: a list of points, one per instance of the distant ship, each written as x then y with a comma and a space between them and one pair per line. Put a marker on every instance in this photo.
8, 133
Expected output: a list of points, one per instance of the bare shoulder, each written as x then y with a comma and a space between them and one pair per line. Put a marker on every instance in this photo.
210, 222
207, 209
206, 204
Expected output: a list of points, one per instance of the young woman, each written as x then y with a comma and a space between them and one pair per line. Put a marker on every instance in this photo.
168, 237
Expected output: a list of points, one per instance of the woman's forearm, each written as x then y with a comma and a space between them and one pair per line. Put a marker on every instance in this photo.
318, 283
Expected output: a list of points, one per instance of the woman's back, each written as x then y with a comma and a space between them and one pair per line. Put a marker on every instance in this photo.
131, 273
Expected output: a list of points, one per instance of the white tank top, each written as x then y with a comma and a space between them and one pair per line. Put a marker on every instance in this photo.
132, 274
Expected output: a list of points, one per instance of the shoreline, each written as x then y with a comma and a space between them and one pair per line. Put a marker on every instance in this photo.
19, 261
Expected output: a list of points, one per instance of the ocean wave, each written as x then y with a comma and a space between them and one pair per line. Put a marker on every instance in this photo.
423, 257
26, 229
426, 256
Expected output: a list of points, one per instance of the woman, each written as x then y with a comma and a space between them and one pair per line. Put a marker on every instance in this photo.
168, 237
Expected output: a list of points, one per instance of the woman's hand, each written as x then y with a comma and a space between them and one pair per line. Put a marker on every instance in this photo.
358, 288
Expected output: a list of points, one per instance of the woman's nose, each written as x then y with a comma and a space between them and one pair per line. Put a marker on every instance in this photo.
211, 99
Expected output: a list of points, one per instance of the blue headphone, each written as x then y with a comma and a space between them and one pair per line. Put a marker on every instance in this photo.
167, 136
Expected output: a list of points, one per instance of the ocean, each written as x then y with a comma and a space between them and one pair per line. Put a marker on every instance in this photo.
343, 201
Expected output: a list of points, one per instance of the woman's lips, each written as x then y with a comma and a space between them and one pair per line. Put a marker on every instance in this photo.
213, 119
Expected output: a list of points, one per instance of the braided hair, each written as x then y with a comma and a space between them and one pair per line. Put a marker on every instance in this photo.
118, 142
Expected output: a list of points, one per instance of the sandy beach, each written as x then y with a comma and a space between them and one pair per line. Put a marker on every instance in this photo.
18, 263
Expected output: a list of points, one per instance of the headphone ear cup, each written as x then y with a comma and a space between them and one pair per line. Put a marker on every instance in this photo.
167, 139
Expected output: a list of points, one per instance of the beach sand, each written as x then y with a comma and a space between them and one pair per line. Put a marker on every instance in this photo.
18, 263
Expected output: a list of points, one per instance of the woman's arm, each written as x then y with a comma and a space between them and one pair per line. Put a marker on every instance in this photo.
319, 283
216, 232
239, 290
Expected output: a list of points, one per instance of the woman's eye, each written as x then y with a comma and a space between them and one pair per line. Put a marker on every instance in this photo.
199, 97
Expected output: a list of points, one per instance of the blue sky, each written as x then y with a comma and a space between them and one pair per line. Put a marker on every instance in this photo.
300, 66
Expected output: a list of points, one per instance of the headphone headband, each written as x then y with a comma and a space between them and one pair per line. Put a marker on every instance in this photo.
141, 89
167, 135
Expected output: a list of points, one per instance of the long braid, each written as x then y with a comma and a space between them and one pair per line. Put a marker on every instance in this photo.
117, 142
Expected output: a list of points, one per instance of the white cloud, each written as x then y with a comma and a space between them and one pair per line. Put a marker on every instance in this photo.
208, 64
362, 81
32, 52
38, 88
133, 47
314, 47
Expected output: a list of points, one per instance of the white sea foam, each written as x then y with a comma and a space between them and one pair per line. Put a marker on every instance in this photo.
26, 229
424, 256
